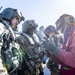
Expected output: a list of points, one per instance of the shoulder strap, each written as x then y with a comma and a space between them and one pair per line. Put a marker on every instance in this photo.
30, 40
9, 28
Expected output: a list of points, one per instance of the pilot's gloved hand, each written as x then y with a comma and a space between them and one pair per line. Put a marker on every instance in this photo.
48, 45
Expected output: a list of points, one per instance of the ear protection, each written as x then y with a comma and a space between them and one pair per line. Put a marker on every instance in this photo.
71, 19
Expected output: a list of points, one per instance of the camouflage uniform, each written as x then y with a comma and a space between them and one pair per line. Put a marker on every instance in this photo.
3, 70
8, 58
31, 62
9, 50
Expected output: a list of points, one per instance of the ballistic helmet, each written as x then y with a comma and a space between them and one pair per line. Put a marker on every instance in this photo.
29, 25
10, 13
50, 28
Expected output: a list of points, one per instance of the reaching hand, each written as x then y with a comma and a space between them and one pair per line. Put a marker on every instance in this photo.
51, 46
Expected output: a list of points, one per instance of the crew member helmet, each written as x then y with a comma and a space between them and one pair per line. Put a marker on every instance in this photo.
65, 19
9, 13
29, 25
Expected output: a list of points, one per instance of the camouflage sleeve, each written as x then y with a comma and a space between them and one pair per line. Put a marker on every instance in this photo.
22, 42
2, 28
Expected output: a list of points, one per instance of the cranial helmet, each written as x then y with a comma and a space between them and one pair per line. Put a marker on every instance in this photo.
9, 13
65, 19
29, 25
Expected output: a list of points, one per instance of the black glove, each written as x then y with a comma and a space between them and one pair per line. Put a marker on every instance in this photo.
52, 47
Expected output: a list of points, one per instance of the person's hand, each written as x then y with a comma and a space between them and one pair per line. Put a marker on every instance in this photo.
48, 45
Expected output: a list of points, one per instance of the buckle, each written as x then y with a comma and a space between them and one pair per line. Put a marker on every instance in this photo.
66, 68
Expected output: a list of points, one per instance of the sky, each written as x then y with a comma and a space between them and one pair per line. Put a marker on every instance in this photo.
44, 12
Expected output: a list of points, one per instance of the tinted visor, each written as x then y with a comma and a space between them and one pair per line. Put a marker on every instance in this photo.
52, 29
